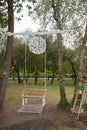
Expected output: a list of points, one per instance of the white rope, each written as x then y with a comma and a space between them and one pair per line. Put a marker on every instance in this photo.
45, 70
38, 33
25, 70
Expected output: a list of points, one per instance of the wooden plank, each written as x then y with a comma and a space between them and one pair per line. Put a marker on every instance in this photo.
76, 111
35, 92
27, 96
31, 108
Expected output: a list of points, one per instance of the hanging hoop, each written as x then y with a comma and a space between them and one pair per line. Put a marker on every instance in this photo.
37, 45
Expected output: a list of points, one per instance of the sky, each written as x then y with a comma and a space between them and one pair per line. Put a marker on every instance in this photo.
26, 22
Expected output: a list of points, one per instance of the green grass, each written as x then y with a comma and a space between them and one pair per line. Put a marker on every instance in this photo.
15, 90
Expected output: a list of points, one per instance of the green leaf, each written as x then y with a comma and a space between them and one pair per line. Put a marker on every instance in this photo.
63, 12
74, 3
29, 7
79, 9
49, 3
33, 1
58, 1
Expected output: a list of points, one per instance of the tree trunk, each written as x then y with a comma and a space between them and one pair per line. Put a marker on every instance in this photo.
74, 76
17, 70
53, 76
36, 75
63, 101
81, 56
81, 61
19, 77
7, 63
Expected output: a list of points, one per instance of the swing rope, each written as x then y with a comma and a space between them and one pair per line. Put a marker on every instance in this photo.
45, 69
44, 20
25, 65
42, 45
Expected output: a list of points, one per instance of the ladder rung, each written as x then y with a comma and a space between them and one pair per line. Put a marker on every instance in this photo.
77, 105
78, 99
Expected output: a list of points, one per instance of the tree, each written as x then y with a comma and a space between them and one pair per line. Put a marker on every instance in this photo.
18, 58
71, 58
81, 55
7, 63
52, 57
7, 7
57, 8
36, 64
67, 9
77, 32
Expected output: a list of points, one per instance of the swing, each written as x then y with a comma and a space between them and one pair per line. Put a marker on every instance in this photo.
34, 100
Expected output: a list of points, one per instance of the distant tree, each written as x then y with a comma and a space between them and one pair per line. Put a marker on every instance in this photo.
70, 59
18, 59
52, 57
35, 64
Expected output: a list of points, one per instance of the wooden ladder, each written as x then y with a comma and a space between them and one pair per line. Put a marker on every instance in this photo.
78, 102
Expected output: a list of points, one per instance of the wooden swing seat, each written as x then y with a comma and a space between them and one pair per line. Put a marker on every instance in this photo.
33, 101
33, 96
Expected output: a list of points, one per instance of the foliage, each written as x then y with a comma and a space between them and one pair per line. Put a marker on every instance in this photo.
70, 57
3, 13
18, 60
18, 5
33, 60
52, 55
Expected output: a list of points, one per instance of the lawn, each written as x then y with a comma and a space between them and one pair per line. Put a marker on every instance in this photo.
15, 90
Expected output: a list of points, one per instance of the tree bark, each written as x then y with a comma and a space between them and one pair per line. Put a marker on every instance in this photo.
63, 101
17, 70
74, 76
63, 104
53, 77
8, 56
36, 75
81, 56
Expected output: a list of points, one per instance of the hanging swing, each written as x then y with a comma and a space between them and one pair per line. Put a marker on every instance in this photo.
34, 100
